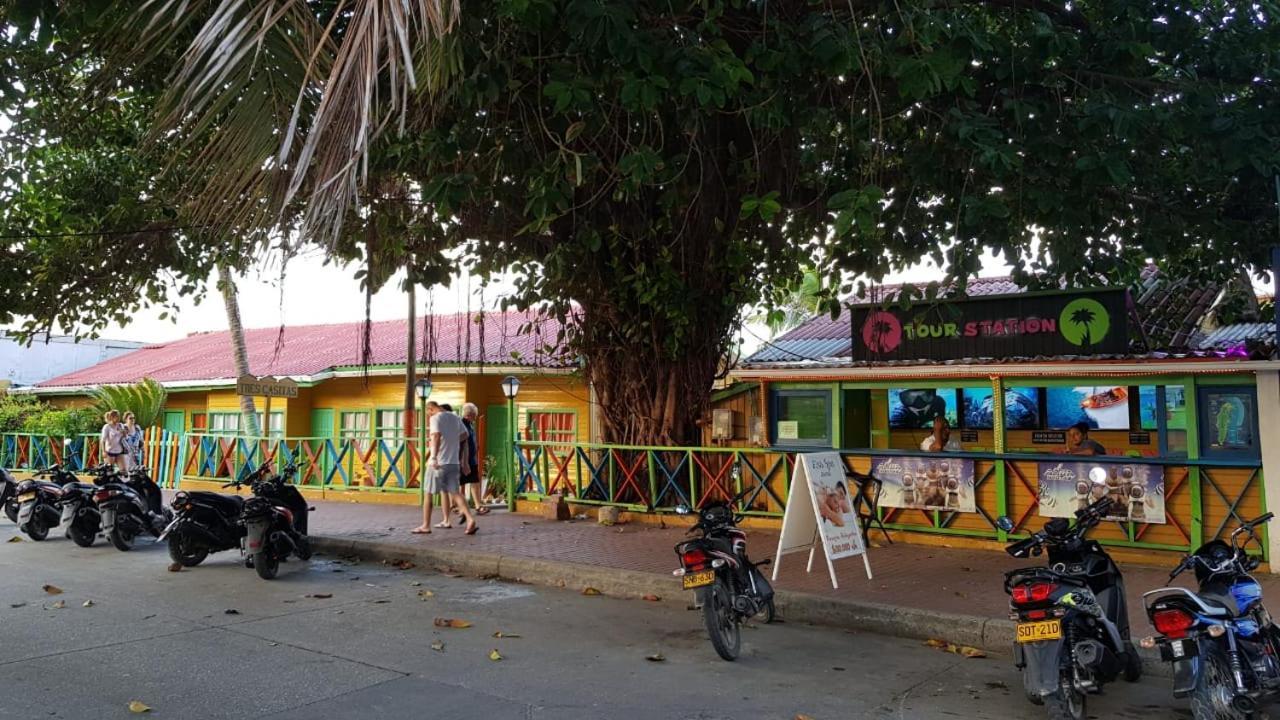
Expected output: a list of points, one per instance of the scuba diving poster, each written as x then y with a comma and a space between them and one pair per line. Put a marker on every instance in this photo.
1137, 491
927, 483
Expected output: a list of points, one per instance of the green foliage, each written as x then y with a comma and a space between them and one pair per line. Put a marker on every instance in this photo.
144, 399
27, 414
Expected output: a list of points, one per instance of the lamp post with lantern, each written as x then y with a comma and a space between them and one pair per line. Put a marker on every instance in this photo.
423, 389
511, 388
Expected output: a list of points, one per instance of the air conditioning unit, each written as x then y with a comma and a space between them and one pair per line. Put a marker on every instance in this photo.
755, 430
722, 424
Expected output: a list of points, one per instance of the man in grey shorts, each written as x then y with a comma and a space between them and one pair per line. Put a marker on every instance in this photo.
447, 463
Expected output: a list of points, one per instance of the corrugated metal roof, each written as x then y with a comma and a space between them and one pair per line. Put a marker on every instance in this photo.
802, 350
308, 350
1238, 334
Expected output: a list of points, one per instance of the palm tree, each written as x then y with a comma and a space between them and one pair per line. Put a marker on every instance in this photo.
1084, 317
238, 348
144, 399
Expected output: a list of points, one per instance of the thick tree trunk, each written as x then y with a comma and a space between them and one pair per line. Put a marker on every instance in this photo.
249, 414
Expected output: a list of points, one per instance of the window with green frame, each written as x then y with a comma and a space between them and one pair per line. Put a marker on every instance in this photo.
390, 423
277, 424
353, 425
228, 423
802, 417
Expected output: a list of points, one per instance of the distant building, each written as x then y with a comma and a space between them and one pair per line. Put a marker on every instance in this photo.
50, 356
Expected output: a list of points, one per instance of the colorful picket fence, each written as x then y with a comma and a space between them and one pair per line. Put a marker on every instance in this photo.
161, 454
368, 464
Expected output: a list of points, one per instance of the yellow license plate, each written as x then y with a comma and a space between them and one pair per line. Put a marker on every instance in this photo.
26, 497
699, 579
1037, 631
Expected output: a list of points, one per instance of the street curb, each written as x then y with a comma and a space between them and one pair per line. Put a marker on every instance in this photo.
990, 634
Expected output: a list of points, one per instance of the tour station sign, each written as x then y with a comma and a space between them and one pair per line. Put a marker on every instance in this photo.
1091, 322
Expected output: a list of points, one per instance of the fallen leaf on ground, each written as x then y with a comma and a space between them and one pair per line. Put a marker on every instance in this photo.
590, 591
961, 650
381, 601
438, 646
15, 538
59, 605
274, 644
175, 567
424, 594
651, 598
803, 717
404, 565
656, 657
838, 668
494, 655
416, 583
231, 611
501, 634
17, 605
452, 623
138, 707
320, 596
51, 589
88, 603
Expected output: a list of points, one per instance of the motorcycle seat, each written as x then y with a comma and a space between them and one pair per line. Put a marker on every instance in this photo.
82, 487
225, 504
1219, 600
47, 486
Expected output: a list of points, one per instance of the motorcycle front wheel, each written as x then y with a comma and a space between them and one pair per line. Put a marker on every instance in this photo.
721, 620
267, 565
1067, 703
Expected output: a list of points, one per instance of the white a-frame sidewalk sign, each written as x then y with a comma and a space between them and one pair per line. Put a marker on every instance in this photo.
820, 505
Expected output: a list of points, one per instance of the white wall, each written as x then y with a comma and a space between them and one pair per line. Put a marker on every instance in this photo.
59, 355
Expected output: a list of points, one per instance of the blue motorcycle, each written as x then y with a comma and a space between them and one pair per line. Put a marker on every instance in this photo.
1223, 645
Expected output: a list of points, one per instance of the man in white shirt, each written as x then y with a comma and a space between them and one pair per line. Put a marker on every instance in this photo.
940, 440
445, 467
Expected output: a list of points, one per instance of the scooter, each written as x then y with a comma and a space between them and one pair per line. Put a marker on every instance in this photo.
80, 515
1221, 641
38, 501
131, 506
275, 521
9, 495
1072, 622
728, 586
203, 523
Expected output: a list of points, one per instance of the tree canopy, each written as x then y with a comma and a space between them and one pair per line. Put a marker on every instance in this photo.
653, 168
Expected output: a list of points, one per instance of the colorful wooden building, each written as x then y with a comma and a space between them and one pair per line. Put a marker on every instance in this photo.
347, 423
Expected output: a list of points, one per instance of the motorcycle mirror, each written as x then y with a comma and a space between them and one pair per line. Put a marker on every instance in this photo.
682, 510
1004, 523
1097, 475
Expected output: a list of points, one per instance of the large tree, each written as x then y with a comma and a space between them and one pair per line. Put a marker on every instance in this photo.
651, 168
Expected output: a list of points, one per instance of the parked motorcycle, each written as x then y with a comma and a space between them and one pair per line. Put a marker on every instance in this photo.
9, 495
728, 586
275, 521
38, 498
130, 505
203, 523
80, 514
1072, 620
1223, 645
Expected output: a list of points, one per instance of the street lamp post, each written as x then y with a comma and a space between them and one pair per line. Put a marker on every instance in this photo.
423, 389
511, 388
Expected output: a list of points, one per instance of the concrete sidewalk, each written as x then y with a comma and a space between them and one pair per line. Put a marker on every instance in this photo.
917, 591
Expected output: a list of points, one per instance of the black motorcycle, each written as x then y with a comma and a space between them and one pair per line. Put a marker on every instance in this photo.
203, 523
1072, 621
275, 521
728, 586
1223, 645
130, 505
9, 495
38, 498
80, 514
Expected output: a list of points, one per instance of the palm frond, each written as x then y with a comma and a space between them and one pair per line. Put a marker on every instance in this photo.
145, 400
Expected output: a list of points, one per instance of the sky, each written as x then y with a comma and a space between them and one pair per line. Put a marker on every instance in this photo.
315, 293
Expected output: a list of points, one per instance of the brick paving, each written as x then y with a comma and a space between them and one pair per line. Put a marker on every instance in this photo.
937, 579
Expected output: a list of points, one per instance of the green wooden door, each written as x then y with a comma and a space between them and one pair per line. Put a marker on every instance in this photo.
175, 421
322, 427
497, 445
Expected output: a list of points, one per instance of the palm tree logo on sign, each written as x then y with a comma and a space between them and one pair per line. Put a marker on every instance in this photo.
1084, 322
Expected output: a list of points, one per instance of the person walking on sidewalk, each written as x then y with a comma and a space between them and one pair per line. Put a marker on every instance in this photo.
471, 480
132, 441
112, 441
448, 460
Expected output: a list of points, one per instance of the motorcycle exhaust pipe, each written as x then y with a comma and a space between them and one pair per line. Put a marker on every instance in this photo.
279, 537
1093, 655
196, 530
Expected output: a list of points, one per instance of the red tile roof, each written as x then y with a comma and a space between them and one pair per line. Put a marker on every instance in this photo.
312, 349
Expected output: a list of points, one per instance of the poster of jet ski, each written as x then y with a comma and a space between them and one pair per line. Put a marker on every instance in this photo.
1100, 407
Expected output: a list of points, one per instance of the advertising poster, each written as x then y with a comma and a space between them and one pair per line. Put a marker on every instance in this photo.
1101, 407
1021, 408
933, 482
1230, 417
826, 517
1136, 490
915, 408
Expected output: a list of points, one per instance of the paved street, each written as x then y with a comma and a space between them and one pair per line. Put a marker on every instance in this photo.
168, 640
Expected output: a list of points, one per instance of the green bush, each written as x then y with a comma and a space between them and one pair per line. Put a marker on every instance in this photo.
27, 414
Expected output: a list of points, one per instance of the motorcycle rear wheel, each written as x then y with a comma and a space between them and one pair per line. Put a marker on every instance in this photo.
184, 552
721, 621
11, 512
1067, 703
80, 536
770, 612
1211, 699
121, 538
36, 528
266, 564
